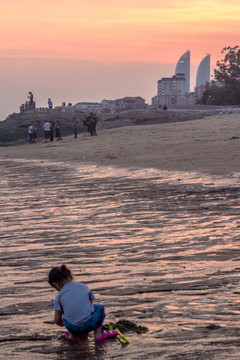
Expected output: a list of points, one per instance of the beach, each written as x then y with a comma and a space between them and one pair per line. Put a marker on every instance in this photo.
148, 217
209, 145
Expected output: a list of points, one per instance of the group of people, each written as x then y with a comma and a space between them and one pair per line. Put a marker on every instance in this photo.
90, 124
29, 105
49, 127
164, 107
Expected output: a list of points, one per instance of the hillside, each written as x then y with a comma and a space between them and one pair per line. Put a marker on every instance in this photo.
14, 129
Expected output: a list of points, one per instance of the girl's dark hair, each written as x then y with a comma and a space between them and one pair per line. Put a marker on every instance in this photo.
58, 274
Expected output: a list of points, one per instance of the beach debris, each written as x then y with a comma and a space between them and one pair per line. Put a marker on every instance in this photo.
213, 327
120, 336
126, 326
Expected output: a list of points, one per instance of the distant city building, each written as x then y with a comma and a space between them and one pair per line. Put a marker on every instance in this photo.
179, 84
164, 86
174, 90
203, 72
198, 92
191, 98
107, 104
88, 105
170, 100
170, 86
126, 103
132, 102
183, 67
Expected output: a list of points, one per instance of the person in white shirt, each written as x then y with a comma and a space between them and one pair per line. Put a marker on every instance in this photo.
30, 133
46, 128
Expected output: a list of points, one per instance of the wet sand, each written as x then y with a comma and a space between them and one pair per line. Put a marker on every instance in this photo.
158, 248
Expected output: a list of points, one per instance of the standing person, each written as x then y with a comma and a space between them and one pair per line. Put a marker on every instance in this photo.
74, 309
34, 133
30, 98
46, 128
75, 127
57, 129
50, 104
85, 126
30, 133
91, 123
94, 117
52, 126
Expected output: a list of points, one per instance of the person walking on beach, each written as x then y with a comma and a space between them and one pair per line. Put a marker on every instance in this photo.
75, 124
46, 128
74, 309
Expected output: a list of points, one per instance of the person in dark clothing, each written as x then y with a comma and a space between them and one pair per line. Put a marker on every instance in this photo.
52, 126
75, 127
57, 129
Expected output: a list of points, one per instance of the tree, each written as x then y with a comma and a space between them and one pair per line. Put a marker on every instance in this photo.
228, 72
216, 95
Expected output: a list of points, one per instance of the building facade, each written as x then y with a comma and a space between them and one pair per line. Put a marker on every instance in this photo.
183, 67
164, 86
132, 102
170, 86
203, 72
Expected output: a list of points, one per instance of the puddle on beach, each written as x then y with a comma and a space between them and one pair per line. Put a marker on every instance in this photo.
159, 249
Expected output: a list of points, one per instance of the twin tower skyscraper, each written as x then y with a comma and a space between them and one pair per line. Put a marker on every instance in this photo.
203, 72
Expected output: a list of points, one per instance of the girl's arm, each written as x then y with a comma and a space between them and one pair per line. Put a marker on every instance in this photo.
58, 318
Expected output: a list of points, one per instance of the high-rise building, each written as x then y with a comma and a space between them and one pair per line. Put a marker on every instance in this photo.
164, 86
179, 84
203, 72
183, 67
174, 85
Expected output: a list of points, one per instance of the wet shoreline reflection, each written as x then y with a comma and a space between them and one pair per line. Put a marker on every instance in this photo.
160, 249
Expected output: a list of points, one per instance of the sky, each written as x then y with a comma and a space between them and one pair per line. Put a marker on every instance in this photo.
89, 50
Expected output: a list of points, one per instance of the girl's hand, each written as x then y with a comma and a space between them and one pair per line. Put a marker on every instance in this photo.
58, 318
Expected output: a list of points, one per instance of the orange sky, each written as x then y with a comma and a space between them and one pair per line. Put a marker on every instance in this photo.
107, 32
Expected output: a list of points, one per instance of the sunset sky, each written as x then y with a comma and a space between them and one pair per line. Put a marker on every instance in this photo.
79, 50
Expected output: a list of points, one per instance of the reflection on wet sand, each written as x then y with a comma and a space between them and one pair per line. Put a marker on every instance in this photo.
157, 248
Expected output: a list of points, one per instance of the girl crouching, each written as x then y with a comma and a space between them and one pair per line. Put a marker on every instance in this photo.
74, 309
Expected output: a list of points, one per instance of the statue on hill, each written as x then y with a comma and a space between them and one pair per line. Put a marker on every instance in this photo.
30, 98
29, 105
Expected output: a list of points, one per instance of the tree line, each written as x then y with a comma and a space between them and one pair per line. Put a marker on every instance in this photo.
228, 73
